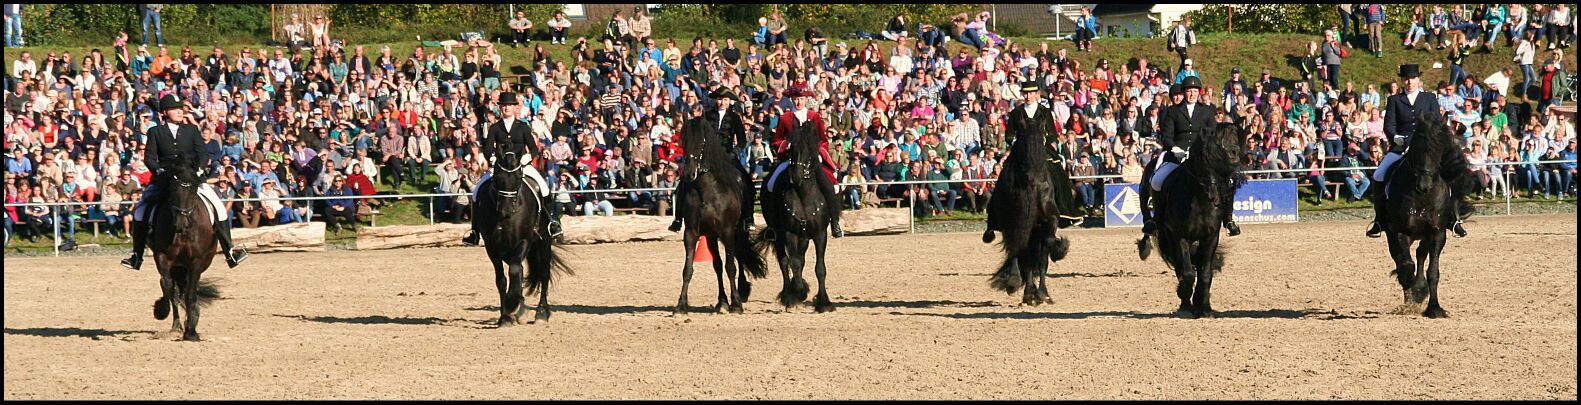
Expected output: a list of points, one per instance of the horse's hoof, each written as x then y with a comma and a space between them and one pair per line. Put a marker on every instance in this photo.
541, 316
1185, 313
1047, 300
1403, 309
824, 307
679, 310
1208, 314
788, 300
505, 322
1031, 301
1435, 313
191, 337
721, 308
736, 309
161, 309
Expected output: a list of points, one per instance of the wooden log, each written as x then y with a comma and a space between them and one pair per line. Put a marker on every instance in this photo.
616, 229
410, 236
298, 237
875, 221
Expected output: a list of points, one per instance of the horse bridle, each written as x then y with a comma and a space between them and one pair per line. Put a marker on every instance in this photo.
512, 170
181, 213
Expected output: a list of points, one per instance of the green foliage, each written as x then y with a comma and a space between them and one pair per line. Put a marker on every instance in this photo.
1289, 18
836, 20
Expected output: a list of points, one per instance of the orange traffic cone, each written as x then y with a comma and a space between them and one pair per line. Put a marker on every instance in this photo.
703, 254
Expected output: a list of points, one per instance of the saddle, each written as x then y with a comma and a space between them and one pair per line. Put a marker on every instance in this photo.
147, 213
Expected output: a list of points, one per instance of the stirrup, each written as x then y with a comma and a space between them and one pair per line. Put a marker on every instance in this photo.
471, 239
1376, 230
836, 231
235, 257
554, 229
1459, 229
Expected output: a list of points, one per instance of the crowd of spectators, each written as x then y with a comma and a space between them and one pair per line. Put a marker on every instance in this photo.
352, 121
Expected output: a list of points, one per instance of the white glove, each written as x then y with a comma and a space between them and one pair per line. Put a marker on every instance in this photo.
1399, 139
1180, 154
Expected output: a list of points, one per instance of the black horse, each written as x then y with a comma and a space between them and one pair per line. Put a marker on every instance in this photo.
508, 216
720, 206
184, 246
1193, 203
1025, 207
1421, 207
797, 214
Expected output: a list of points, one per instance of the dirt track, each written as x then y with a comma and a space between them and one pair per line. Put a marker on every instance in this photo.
1306, 314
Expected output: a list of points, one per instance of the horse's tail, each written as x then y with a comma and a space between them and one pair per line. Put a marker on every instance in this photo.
207, 293
762, 243
749, 255
1008, 278
1144, 247
544, 261
1218, 259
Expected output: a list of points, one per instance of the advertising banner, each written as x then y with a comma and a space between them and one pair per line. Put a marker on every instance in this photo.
1259, 201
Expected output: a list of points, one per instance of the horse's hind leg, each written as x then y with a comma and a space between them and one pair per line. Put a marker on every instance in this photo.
1186, 276
733, 276
1424, 250
507, 303
1031, 259
781, 256
190, 297
723, 304
822, 304
686, 270
1404, 269
1205, 265
1437, 247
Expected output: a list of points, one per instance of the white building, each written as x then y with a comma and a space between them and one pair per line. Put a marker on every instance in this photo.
1139, 20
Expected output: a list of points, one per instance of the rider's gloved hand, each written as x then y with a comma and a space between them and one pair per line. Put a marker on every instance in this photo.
1180, 154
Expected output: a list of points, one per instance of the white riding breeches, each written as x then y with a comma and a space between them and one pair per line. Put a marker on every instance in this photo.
527, 171
211, 200
1389, 161
1164, 168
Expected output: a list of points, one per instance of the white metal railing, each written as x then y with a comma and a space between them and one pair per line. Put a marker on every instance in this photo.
55, 213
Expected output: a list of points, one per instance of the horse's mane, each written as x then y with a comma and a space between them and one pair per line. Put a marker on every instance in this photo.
701, 141
1217, 150
1432, 139
804, 145
1034, 153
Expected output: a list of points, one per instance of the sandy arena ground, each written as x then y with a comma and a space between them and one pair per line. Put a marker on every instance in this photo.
1306, 314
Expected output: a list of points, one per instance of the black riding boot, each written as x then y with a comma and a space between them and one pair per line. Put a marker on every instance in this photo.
1065, 197
1145, 189
680, 202
551, 226
1463, 210
233, 255
1229, 220
1376, 229
747, 203
832, 202
139, 241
